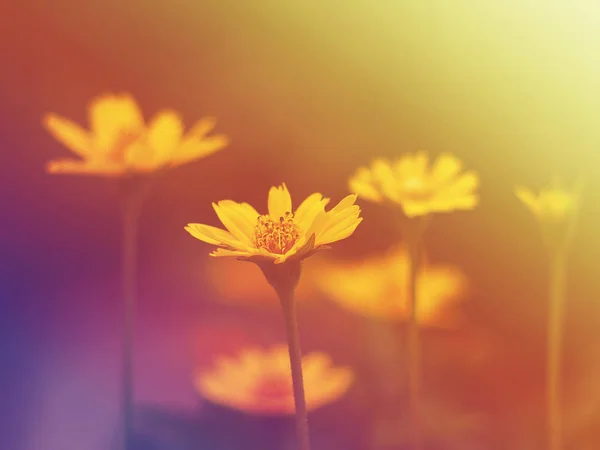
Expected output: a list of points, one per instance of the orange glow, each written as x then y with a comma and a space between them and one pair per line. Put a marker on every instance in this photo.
376, 287
280, 235
418, 189
243, 284
119, 142
259, 381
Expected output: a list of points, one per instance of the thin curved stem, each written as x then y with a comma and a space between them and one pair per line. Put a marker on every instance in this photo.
291, 322
555, 338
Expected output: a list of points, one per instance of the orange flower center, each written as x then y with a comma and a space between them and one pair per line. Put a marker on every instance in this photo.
275, 388
276, 236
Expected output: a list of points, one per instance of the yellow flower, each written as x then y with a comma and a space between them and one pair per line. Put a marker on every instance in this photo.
552, 204
417, 188
237, 283
278, 236
260, 381
377, 287
119, 142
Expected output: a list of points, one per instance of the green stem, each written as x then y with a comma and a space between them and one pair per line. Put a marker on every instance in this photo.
291, 322
414, 349
555, 338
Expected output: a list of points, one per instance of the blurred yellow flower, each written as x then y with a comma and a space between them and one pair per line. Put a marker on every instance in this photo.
552, 204
119, 142
237, 283
278, 236
260, 381
377, 287
418, 189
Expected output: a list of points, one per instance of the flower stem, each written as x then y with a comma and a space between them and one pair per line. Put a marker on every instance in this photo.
291, 322
414, 349
555, 337
132, 202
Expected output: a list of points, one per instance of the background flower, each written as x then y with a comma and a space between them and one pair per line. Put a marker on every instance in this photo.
416, 187
376, 287
259, 381
120, 142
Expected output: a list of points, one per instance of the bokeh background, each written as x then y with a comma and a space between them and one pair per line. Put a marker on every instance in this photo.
307, 91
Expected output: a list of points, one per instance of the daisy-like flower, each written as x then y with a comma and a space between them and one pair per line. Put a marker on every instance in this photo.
260, 382
417, 188
377, 287
281, 235
551, 204
119, 142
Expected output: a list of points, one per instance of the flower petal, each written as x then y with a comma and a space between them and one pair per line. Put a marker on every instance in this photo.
308, 210
193, 148
69, 134
527, 197
362, 183
279, 202
445, 168
164, 136
76, 167
111, 116
239, 219
215, 236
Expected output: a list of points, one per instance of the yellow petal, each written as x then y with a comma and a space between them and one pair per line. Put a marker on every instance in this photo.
239, 219
193, 148
75, 167
279, 202
215, 236
69, 134
202, 127
227, 252
419, 163
346, 202
527, 197
382, 171
445, 168
111, 116
365, 189
465, 184
164, 136
308, 211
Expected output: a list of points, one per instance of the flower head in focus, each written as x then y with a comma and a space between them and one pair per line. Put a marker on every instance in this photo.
260, 381
377, 287
281, 235
119, 142
417, 188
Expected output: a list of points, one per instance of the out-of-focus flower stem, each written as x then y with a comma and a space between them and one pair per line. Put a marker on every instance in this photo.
555, 338
413, 231
291, 322
133, 194
414, 350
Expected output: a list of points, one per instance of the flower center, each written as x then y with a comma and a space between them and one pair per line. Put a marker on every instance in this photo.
276, 236
275, 388
416, 189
